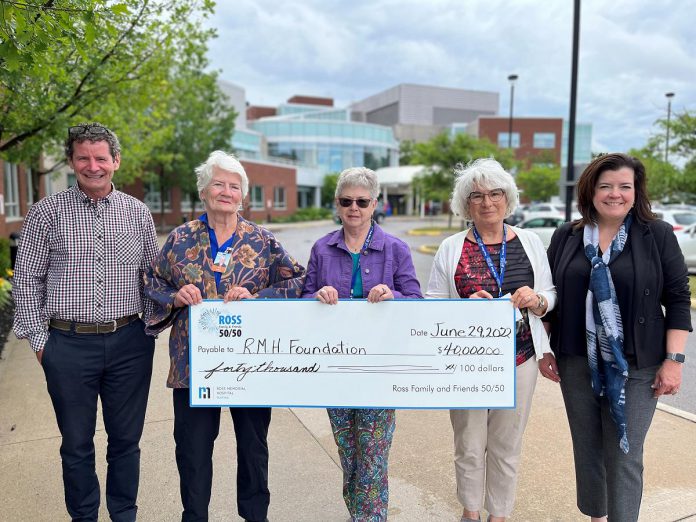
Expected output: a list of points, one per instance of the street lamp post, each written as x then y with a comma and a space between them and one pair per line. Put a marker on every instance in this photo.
669, 96
511, 79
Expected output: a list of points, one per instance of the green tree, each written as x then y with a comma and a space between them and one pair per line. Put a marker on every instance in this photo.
682, 131
539, 182
196, 120
406, 152
78, 60
442, 153
663, 179
688, 182
328, 189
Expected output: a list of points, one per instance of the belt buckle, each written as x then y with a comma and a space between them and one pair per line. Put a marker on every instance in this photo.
113, 326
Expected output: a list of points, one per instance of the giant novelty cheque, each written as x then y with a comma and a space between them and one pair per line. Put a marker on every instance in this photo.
409, 353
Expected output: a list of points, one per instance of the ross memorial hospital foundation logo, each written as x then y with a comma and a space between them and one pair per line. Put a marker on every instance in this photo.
204, 392
215, 321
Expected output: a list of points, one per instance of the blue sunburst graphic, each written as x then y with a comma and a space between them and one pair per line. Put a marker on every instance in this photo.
208, 320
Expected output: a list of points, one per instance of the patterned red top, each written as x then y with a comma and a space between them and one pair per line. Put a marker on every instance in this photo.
472, 275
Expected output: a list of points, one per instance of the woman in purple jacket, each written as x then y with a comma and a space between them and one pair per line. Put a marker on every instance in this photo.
361, 261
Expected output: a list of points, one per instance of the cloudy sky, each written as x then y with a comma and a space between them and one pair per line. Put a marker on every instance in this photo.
631, 53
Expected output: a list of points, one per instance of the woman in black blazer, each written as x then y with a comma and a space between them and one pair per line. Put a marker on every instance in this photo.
615, 349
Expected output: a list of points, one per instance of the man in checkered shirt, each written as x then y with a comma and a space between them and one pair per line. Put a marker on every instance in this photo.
79, 289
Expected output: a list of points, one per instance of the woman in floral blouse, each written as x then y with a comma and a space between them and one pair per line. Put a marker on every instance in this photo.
218, 255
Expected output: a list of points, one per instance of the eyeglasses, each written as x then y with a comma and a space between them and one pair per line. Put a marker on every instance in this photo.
494, 195
361, 202
79, 130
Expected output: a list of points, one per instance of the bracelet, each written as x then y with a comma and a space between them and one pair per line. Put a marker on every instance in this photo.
542, 302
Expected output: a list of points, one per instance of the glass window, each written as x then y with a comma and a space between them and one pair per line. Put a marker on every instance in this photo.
279, 198
685, 219
11, 191
154, 199
503, 140
187, 204
30, 190
323, 129
256, 197
535, 223
544, 140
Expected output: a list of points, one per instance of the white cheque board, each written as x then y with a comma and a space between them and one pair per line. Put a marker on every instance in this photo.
409, 353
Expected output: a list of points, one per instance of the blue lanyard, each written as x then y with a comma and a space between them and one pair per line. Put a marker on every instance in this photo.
363, 249
491, 267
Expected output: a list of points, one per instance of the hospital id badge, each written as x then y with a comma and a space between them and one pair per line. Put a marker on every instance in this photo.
222, 259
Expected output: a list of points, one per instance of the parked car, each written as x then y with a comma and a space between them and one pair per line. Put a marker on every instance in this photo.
687, 242
549, 210
544, 227
679, 219
516, 217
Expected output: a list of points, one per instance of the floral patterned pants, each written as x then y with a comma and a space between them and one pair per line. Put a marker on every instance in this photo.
363, 437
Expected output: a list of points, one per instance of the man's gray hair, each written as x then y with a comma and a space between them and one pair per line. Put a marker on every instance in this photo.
358, 177
482, 174
92, 132
223, 161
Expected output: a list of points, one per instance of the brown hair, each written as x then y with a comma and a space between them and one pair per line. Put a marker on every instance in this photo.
588, 181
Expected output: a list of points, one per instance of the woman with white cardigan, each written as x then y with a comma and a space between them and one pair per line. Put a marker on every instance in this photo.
491, 260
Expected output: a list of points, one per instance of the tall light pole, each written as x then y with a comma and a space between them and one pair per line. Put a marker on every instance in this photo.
669, 96
511, 79
570, 163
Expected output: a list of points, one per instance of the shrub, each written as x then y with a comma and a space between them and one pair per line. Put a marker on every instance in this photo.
305, 214
5, 272
5, 263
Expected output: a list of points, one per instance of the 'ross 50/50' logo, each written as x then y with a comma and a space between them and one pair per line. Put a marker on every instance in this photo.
224, 325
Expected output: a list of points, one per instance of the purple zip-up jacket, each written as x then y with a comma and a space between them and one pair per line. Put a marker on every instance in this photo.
387, 261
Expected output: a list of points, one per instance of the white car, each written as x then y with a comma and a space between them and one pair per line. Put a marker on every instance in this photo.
687, 242
679, 219
544, 227
549, 210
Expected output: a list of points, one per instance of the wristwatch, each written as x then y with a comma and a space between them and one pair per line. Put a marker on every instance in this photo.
676, 357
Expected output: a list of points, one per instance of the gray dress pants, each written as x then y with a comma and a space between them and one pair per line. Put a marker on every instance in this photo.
608, 481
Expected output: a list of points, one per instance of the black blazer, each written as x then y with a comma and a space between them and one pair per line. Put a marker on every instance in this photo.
660, 279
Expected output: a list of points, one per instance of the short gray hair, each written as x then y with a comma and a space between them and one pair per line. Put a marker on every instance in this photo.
358, 177
484, 173
92, 132
223, 161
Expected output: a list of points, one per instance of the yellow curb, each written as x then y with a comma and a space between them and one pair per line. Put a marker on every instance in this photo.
428, 249
415, 232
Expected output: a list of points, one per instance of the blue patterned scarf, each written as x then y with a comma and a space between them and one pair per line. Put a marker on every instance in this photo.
603, 327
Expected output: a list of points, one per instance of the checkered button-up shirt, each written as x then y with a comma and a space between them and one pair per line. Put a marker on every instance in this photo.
81, 260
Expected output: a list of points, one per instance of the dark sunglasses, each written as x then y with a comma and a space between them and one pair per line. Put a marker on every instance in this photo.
347, 202
79, 130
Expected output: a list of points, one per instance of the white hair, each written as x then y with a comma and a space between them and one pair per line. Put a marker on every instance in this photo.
223, 161
486, 174
358, 177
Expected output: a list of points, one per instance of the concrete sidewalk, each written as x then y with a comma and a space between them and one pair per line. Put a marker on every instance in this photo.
305, 477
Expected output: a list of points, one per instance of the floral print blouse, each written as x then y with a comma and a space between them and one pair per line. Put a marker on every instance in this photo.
259, 263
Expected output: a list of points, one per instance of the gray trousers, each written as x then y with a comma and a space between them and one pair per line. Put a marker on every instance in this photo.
608, 481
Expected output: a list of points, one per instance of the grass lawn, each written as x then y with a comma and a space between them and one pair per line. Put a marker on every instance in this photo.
692, 285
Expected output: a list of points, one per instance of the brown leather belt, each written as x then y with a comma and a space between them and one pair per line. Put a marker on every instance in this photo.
92, 328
